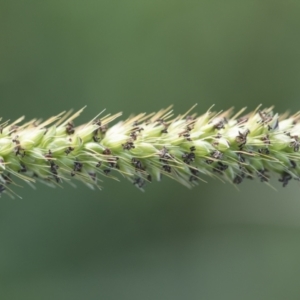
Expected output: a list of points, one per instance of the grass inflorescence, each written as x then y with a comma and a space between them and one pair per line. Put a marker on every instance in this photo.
144, 147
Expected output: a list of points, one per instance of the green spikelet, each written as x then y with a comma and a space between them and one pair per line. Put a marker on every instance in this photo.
146, 147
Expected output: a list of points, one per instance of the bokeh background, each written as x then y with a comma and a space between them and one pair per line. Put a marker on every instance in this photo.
212, 242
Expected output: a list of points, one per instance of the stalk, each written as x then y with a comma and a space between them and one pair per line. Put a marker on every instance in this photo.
143, 148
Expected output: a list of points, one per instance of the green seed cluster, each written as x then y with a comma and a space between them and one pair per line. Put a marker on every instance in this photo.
147, 147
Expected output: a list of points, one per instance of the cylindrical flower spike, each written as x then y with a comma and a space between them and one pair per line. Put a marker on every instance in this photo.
145, 147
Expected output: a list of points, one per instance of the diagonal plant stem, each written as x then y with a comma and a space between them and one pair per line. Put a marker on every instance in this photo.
146, 147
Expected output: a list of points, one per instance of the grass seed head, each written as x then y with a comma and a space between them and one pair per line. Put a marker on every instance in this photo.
146, 147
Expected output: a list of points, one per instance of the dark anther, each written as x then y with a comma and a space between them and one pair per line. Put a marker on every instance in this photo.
149, 178
262, 175
137, 128
220, 168
238, 178
165, 130
106, 171
217, 154
293, 164
133, 135
166, 168
193, 178
48, 155
285, 178
215, 144
186, 135
101, 129
53, 169
265, 151
266, 140
106, 151
98, 164
69, 150
219, 124
163, 152
77, 166
188, 157
128, 145
70, 128
139, 182
96, 139
241, 138
164, 155
193, 148
162, 122
295, 144
18, 149
191, 121
265, 117
190, 126
23, 168
112, 162
97, 122
195, 174
137, 164
93, 176
194, 171
135, 131
242, 120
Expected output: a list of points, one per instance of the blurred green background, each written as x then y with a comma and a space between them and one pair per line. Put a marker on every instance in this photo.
212, 242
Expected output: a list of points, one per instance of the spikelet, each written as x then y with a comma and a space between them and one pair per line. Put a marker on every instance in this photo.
143, 148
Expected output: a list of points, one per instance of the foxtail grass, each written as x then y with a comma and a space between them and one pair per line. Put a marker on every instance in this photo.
146, 147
